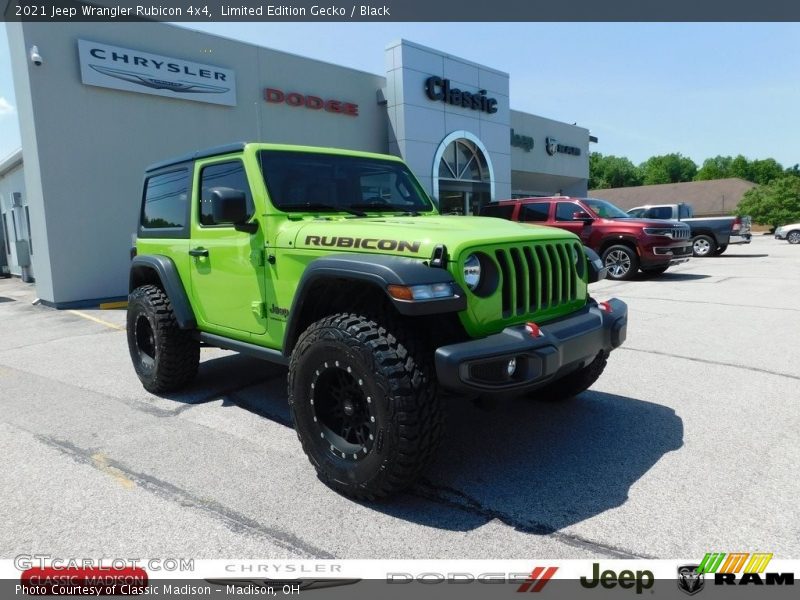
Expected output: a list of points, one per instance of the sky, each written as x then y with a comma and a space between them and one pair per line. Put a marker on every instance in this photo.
641, 88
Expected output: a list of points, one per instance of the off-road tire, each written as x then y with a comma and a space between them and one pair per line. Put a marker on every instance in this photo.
703, 246
793, 237
574, 383
655, 271
386, 382
720, 250
617, 250
165, 357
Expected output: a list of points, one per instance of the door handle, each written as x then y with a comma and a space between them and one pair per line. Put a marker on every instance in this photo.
198, 252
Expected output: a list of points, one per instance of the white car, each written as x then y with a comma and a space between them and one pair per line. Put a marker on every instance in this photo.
791, 233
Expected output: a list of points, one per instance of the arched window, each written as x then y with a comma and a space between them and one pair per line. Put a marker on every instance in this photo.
462, 160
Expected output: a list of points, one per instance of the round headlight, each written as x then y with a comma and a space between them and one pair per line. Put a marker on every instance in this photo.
472, 271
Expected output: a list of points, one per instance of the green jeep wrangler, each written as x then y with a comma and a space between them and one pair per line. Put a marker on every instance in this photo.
337, 264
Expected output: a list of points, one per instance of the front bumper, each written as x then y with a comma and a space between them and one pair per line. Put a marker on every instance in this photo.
780, 235
673, 254
565, 345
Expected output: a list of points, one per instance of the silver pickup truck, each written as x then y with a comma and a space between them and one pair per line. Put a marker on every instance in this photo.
711, 236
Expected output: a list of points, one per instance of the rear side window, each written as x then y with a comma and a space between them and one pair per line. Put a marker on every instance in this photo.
532, 213
228, 175
501, 211
166, 200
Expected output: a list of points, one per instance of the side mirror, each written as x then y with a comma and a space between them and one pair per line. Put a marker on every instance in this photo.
230, 206
580, 215
597, 270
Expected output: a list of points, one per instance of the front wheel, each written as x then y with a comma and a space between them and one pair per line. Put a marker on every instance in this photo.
365, 409
164, 356
793, 237
621, 262
703, 245
574, 383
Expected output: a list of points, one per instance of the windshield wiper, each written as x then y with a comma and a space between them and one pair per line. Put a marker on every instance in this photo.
381, 206
323, 206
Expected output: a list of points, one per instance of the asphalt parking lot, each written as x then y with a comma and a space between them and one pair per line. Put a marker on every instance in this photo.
687, 444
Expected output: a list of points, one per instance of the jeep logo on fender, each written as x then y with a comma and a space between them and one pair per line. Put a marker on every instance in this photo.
275, 96
640, 580
366, 243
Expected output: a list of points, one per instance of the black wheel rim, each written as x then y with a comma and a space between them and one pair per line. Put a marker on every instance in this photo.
343, 410
145, 340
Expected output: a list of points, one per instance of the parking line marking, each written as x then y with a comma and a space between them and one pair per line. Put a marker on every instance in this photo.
96, 320
113, 305
100, 461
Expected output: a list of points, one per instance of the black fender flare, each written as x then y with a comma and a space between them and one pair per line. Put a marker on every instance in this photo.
378, 270
171, 283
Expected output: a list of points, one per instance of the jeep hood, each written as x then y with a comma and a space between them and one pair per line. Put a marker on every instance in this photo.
409, 236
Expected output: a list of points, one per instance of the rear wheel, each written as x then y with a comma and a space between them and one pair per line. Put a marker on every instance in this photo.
621, 262
573, 384
164, 356
793, 237
365, 409
703, 245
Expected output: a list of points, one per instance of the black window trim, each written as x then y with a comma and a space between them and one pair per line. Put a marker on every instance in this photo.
199, 199
168, 232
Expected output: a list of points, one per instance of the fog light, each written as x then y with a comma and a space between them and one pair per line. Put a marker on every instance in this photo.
511, 367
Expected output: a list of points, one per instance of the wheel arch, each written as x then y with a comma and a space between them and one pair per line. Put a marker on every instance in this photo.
159, 270
358, 282
619, 240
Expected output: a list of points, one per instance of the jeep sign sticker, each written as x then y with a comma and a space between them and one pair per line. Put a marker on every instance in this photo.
135, 71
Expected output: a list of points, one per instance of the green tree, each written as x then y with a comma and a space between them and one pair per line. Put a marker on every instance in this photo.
718, 167
611, 172
773, 204
765, 171
668, 168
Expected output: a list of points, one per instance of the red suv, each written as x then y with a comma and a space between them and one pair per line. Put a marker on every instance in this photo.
625, 244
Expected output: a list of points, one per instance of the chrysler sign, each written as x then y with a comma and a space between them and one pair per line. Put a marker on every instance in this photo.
135, 71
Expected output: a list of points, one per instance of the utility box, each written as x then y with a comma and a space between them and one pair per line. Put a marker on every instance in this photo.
23, 253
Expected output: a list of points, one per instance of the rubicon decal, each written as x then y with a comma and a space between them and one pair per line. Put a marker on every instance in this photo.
365, 243
742, 568
137, 71
537, 579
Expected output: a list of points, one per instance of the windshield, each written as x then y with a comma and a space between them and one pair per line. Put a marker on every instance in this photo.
312, 182
604, 209
636, 212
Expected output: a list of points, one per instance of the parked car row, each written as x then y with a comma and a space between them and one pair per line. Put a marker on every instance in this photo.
711, 236
626, 244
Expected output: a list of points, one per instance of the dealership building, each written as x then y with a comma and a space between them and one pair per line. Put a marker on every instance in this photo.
98, 102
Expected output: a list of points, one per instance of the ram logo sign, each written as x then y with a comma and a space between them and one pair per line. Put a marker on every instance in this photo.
136, 71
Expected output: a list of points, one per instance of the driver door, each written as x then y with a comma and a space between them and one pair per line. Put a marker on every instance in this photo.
565, 219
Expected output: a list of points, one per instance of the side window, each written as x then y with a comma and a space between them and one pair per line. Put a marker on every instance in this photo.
227, 175
565, 210
165, 200
660, 212
536, 212
501, 211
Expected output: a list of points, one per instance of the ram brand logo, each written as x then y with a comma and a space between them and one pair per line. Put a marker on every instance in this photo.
365, 243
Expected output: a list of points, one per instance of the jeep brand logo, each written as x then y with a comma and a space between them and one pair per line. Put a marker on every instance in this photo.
366, 243
275, 96
639, 580
437, 88
522, 141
